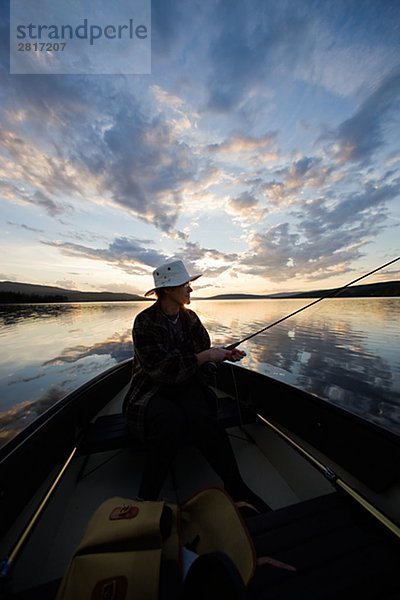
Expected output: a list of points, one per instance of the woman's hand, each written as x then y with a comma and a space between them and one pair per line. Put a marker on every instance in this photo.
218, 354
237, 355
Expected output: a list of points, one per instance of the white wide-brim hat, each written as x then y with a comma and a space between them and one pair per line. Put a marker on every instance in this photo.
171, 274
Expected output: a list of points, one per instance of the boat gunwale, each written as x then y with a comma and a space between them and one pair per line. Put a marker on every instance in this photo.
63, 403
72, 414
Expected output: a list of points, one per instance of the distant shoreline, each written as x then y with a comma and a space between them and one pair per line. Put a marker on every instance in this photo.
26, 293
23, 293
384, 289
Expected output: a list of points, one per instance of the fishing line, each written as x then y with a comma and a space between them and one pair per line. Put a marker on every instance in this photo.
332, 294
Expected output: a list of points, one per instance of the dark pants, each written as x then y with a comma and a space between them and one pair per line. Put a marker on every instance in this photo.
180, 416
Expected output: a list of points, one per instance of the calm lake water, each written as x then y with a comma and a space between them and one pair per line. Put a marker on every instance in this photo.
346, 351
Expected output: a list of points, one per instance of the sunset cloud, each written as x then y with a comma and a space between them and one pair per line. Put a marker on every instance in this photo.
130, 255
246, 144
263, 145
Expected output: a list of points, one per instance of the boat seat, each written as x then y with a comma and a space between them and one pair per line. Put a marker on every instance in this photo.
230, 414
339, 551
110, 432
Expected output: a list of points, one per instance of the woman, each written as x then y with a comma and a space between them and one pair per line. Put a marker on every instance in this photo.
169, 402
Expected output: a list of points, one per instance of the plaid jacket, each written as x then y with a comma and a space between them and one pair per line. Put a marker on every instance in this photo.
159, 362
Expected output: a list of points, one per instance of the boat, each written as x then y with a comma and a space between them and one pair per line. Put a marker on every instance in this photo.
331, 478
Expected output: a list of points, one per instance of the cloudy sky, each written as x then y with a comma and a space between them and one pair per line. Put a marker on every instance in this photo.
262, 149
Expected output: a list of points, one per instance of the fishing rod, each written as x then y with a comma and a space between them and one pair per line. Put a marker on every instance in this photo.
332, 294
7, 564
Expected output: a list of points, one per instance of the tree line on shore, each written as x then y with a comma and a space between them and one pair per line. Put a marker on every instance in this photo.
380, 289
20, 298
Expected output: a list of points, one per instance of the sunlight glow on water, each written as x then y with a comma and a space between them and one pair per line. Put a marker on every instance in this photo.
343, 350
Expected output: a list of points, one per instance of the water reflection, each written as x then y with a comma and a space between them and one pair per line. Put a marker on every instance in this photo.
346, 351
341, 352
12, 314
355, 380
17, 418
119, 348
49, 350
